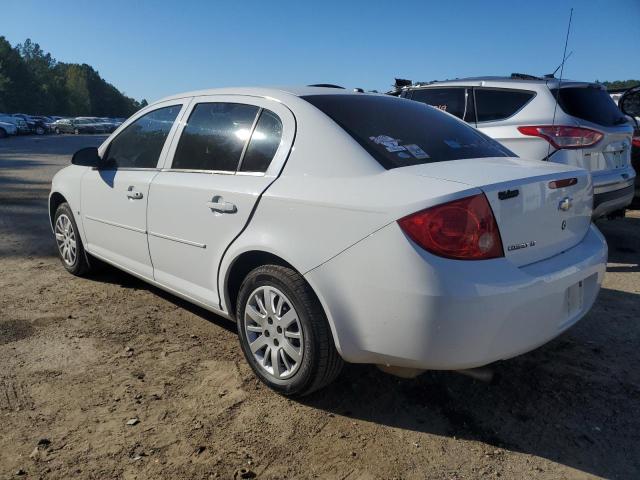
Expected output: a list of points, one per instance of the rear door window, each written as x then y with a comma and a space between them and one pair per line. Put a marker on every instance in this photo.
215, 136
450, 100
140, 144
493, 105
590, 103
398, 132
264, 143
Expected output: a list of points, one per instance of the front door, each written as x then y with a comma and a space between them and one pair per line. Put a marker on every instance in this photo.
229, 151
114, 197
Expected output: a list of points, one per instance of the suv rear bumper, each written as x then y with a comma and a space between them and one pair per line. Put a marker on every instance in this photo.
609, 198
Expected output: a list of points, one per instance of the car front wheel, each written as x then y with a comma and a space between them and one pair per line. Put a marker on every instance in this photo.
76, 131
39, 130
284, 332
70, 248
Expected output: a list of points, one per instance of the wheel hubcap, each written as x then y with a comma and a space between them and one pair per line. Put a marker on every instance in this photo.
274, 333
66, 239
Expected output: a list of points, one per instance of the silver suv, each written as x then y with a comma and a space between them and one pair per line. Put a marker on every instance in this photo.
588, 130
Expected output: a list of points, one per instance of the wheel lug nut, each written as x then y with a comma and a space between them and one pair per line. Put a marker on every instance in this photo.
275, 342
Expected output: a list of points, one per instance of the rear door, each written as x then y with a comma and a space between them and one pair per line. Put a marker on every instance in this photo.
228, 150
114, 198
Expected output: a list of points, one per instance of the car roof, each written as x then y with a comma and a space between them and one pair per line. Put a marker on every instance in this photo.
524, 81
278, 93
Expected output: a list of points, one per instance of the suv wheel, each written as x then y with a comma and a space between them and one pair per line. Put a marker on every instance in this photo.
39, 130
284, 332
69, 244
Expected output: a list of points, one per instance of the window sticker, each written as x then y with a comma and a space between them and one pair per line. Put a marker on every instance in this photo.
416, 151
389, 143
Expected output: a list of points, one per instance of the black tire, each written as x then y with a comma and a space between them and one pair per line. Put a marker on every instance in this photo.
320, 363
3, 133
80, 265
39, 130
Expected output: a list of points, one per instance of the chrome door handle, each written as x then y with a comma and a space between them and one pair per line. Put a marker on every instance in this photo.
217, 204
133, 194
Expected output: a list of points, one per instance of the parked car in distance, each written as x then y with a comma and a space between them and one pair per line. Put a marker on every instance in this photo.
7, 129
36, 124
78, 125
585, 129
21, 124
392, 233
629, 104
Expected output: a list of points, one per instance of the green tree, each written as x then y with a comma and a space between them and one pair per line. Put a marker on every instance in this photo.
32, 81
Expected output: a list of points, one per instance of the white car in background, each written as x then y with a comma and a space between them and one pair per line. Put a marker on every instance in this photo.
7, 129
333, 226
586, 129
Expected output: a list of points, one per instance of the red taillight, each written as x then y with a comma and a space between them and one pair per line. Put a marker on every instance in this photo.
463, 229
635, 141
564, 137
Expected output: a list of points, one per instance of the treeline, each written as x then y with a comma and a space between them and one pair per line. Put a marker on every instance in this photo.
33, 82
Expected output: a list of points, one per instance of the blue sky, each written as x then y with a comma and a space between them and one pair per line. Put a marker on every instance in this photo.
157, 48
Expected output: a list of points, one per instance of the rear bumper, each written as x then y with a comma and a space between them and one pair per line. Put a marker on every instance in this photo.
609, 201
412, 309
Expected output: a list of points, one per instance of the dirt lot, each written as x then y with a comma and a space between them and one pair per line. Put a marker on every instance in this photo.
79, 358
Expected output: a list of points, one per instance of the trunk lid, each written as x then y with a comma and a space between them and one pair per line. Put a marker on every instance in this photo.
536, 221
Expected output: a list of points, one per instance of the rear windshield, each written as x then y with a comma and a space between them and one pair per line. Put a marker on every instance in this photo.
399, 132
590, 103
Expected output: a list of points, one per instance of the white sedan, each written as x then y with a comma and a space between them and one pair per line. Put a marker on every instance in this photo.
333, 225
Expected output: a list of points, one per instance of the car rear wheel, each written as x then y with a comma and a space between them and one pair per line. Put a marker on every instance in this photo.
70, 248
39, 130
284, 332
3, 133
57, 131
76, 131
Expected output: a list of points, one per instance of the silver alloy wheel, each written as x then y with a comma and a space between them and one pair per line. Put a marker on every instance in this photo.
66, 239
274, 332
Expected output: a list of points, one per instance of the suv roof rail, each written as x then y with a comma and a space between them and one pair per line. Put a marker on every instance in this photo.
325, 85
524, 76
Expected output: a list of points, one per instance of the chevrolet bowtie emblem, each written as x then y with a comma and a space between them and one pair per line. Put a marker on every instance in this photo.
565, 204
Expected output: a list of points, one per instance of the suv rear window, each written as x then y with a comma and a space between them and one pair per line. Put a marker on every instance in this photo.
590, 103
399, 132
495, 105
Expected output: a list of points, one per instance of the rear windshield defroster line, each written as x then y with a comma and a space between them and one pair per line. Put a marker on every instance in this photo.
398, 133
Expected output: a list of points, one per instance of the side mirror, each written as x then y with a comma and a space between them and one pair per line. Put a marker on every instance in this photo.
86, 157
630, 102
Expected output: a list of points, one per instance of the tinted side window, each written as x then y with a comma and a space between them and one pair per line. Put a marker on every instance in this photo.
214, 136
451, 100
500, 104
263, 144
140, 144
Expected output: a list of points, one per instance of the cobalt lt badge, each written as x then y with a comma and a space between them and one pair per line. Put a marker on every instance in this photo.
565, 204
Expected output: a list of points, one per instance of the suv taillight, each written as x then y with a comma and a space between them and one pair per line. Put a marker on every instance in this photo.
563, 136
463, 229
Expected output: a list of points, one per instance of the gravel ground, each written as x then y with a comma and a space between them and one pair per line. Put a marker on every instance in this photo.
81, 358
